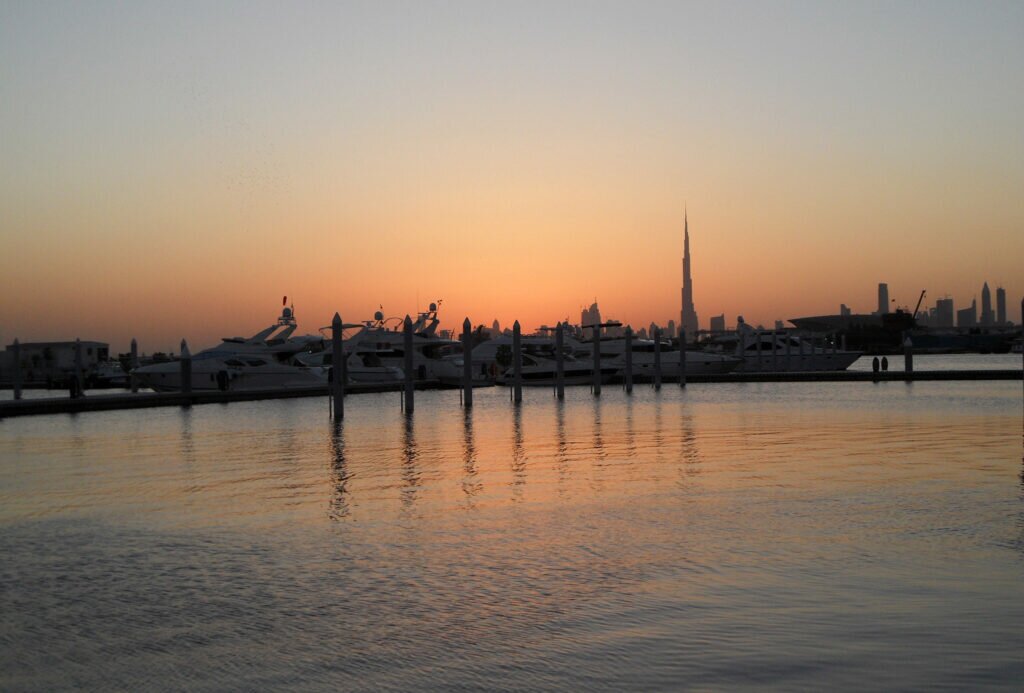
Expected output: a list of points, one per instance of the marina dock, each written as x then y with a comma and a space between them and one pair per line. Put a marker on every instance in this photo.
146, 400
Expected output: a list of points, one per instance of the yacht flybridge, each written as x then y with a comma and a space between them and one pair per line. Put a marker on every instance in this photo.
433, 357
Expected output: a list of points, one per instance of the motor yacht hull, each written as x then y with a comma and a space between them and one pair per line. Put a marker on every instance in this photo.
210, 376
796, 362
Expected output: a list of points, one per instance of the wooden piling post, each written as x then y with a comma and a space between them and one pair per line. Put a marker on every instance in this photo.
789, 351
560, 361
467, 363
133, 363
628, 374
657, 358
517, 363
186, 369
908, 355
410, 384
775, 350
844, 341
338, 374
760, 336
16, 369
682, 357
78, 376
597, 361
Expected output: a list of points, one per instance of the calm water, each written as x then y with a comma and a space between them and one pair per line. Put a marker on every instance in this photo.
791, 535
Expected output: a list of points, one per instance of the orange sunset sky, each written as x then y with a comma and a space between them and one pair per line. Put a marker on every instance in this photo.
171, 170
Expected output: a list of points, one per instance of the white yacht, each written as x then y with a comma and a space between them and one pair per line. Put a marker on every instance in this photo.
779, 351
613, 351
264, 361
433, 358
362, 363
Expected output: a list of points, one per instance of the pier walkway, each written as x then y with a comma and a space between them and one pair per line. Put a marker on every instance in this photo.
144, 400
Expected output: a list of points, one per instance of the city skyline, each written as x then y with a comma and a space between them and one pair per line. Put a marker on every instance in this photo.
171, 174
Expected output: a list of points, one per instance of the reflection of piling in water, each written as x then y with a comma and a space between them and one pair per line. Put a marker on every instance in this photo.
657, 358
133, 363
559, 361
337, 373
467, 363
517, 363
16, 372
339, 473
908, 355
186, 370
410, 385
627, 374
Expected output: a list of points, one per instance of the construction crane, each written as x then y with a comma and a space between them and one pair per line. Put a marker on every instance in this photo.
918, 306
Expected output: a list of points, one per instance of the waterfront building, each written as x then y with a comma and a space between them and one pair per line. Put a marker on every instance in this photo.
844, 310
688, 315
944, 313
1000, 306
968, 317
987, 316
883, 299
718, 323
51, 361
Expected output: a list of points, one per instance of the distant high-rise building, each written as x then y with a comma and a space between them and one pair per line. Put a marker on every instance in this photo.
670, 331
844, 310
968, 317
495, 328
987, 316
944, 313
1000, 305
688, 315
779, 325
590, 316
718, 323
883, 299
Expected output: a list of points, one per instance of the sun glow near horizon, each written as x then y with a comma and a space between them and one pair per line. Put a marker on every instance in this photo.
187, 169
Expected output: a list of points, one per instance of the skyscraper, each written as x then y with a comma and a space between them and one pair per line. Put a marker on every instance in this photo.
883, 299
944, 312
688, 315
1000, 305
968, 317
987, 318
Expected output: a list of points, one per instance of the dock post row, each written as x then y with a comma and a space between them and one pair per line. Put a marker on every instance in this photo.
410, 383
337, 369
682, 357
657, 358
467, 363
517, 363
628, 374
559, 362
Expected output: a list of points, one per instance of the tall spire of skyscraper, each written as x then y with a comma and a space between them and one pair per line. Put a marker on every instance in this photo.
688, 315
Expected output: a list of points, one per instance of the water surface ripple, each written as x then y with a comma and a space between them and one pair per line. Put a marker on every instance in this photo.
790, 535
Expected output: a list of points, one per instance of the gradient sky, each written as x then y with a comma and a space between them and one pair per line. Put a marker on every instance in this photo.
173, 169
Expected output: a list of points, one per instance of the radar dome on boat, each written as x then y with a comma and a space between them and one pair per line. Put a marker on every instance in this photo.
378, 316
287, 312
433, 307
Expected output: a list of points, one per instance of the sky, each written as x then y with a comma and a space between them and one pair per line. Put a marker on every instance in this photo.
172, 170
